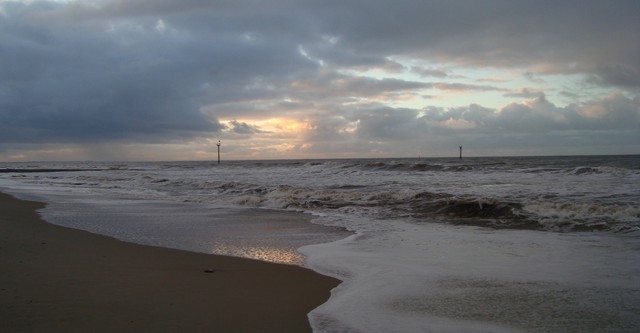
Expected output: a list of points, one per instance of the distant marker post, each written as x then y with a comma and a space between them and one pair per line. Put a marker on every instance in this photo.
218, 144
460, 152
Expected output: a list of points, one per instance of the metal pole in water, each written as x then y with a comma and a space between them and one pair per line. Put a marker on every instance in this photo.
460, 152
218, 144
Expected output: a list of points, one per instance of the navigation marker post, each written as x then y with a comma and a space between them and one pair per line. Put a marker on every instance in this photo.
461, 152
218, 144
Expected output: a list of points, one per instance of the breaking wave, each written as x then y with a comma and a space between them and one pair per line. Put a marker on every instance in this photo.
552, 193
539, 214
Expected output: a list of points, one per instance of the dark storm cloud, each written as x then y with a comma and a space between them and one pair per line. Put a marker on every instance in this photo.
617, 75
553, 36
138, 70
68, 84
164, 70
142, 80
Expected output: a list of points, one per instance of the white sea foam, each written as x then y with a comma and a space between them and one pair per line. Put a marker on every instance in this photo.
443, 278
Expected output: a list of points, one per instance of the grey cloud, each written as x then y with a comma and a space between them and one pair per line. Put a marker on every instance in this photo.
339, 55
322, 90
534, 123
331, 84
365, 86
472, 113
537, 115
464, 87
616, 75
614, 112
525, 93
244, 128
74, 81
384, 123
563, 37
123, 9
429, 72
531, 77
328, 128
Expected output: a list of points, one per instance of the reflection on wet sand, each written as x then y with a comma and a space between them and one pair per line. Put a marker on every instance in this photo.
266, 253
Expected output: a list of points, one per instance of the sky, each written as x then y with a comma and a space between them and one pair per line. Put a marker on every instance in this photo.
296, 79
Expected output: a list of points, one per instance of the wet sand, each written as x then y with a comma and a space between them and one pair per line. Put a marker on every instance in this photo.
56, 279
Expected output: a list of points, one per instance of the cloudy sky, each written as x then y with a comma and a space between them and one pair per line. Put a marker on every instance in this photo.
166, 79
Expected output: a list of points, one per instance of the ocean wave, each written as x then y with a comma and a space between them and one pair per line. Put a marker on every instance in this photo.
558, 194
473, 210
43, 170
577, 216
542, 214
421, 166
470, 165
547, 212
583, 170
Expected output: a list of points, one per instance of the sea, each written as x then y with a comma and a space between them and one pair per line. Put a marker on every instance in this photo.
479, 244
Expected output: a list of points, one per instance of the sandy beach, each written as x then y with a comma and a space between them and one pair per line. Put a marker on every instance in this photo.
56, 279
